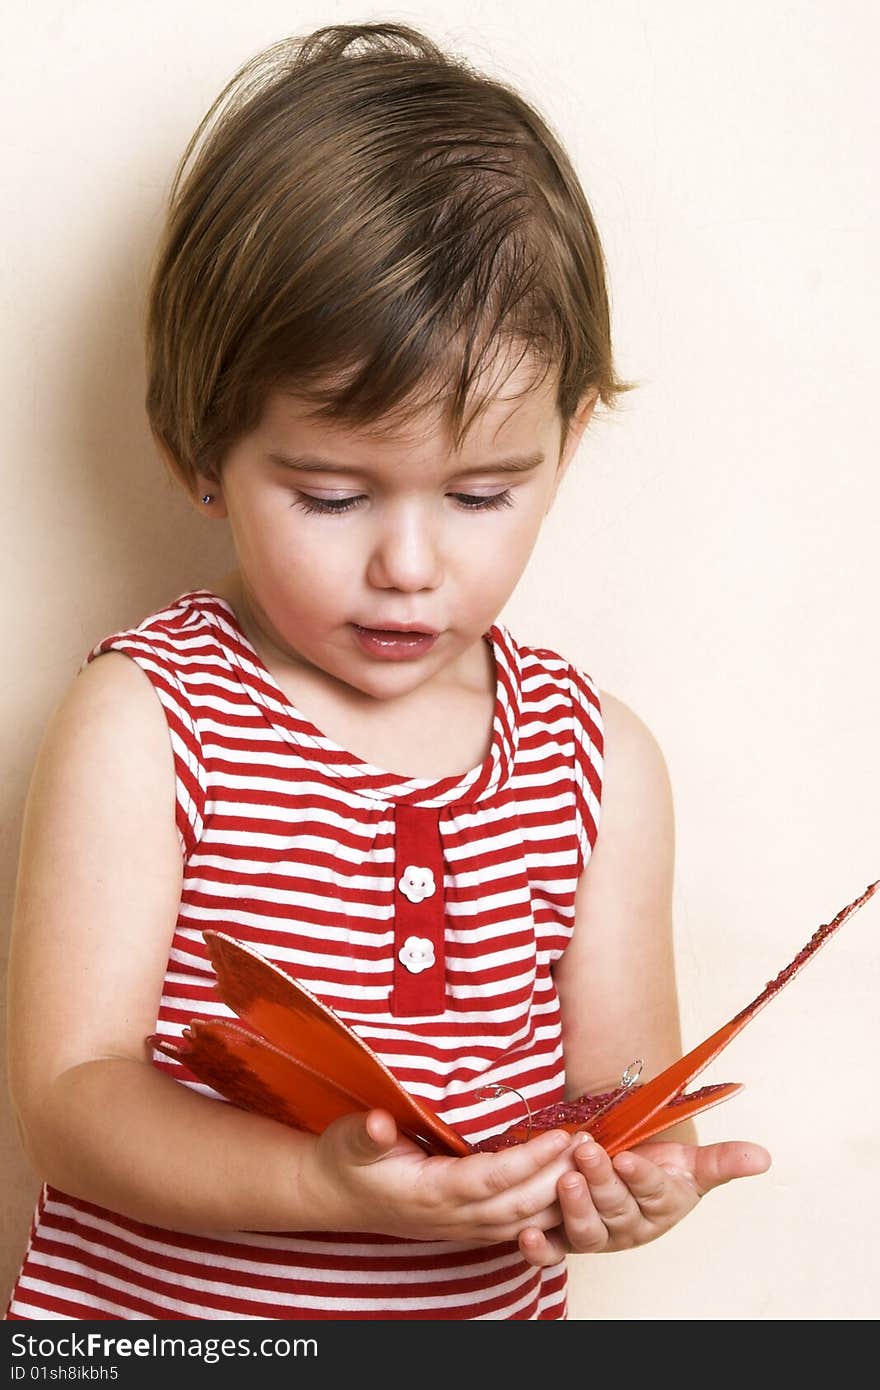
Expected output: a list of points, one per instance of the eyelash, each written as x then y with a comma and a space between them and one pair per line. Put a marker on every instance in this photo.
346, 504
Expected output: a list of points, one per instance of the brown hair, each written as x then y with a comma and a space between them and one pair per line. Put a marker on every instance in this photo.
369, 216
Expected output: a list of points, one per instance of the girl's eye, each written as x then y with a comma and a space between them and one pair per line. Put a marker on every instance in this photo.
484, 504
469, 502
325, 504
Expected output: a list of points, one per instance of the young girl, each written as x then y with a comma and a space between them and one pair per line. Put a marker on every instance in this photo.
378, 326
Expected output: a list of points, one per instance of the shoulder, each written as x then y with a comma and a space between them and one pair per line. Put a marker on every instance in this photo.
109, 726
171, 651
630, 745
547, 675
164, 635
613, 724
636, 789
110, 677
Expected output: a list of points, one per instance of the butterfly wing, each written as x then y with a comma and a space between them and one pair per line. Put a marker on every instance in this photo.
257, 1076
301, 1058
636, 1117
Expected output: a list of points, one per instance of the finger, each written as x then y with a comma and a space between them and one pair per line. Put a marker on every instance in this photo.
365, 1137
610, 1195
716, 1164
542, 1248
584, 1228
380, 1129
543, 1220
482, 1175
532, 1203
655, 1190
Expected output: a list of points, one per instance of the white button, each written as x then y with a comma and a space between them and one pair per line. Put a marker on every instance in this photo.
417, 954
417, 883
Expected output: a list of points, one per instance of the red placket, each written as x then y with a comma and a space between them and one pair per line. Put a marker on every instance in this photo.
418, 846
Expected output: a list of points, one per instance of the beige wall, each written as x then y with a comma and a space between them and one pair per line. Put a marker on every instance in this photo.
712, 559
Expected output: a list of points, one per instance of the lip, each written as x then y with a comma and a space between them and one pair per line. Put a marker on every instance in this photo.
396, 627
394, 643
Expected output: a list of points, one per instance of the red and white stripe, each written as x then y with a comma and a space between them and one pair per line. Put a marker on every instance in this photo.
288, 843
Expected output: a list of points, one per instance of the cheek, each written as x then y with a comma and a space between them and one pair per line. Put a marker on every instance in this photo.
309, 564
493, 563
509, 542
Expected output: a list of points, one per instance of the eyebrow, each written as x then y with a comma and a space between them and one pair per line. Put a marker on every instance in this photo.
311, 463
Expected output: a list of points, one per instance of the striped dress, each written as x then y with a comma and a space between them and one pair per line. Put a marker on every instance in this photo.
331, 868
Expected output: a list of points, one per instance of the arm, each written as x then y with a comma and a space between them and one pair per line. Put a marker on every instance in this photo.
97, 897
616, 979
617, 991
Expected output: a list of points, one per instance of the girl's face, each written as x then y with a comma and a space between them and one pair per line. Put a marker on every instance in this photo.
338, 529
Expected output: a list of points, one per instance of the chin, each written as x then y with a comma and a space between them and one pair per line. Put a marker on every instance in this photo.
386, 679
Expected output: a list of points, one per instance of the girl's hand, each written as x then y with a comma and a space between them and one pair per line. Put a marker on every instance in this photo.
615, 1204
362, 1175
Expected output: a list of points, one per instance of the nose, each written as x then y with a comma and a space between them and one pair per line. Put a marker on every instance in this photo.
406, 552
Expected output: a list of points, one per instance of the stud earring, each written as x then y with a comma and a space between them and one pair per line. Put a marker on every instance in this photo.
208, 497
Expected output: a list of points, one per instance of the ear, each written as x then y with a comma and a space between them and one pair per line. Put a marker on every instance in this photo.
207, 487
578, 424
204, 486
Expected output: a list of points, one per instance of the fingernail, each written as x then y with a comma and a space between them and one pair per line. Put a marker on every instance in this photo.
582, 1138
561, 1139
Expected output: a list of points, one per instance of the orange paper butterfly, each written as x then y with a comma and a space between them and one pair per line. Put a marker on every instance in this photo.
296, 1061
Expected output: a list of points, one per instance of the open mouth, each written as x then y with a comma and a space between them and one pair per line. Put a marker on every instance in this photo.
394, 643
